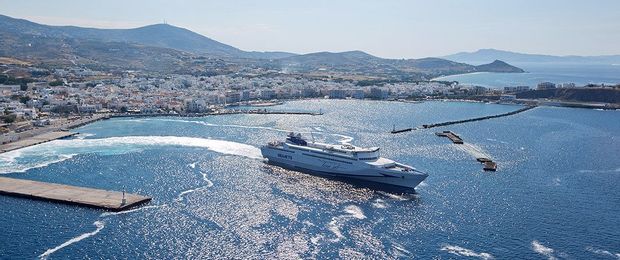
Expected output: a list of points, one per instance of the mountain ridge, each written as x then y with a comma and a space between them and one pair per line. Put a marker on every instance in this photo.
167, 48
176, 37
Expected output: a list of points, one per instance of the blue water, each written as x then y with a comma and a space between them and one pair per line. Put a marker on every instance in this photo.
580, 74
555, 193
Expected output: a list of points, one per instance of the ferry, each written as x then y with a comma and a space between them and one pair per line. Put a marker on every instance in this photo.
342, 161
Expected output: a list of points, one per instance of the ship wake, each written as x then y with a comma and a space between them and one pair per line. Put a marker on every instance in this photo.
60, 150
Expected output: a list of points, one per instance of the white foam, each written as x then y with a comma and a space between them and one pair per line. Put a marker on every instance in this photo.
345, 138
400, 249
603, 252
600, 171
543, 250
472, 150
209, 183
84, 135
461, 251
11, 165
183, 193
192, 165
315, 240
99, 224
107, 214
204, 178
334, 227
393, 196
60, 150
379, 203
557, 181
355, 211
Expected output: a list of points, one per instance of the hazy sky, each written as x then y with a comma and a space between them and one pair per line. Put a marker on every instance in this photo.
388, 28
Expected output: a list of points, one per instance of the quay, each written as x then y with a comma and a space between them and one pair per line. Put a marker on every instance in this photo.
222, 112
34, 140
88, 197
479, 118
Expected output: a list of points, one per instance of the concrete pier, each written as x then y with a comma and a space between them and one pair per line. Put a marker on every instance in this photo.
37, 139
109, 200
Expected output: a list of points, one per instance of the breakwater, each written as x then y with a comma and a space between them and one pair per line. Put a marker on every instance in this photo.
478, 118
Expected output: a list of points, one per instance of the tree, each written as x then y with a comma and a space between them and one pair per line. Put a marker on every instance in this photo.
9, 118
24, 99
56, 83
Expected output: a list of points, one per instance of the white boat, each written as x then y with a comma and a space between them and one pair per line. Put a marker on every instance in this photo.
341, 161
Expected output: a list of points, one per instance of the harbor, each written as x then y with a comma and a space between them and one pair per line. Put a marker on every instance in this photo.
88, 197
227, 191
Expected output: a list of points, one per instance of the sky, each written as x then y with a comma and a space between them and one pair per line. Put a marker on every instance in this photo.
385, 28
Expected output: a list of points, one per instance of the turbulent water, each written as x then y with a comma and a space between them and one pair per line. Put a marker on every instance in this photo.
554, 195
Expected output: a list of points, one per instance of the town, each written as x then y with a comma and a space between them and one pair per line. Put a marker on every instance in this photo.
32, 99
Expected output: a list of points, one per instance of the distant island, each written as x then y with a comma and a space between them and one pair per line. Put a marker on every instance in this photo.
163, 48
487, 55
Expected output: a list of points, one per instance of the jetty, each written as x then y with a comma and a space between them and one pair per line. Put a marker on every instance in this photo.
488, 164
34, 140
479, 118
88, 197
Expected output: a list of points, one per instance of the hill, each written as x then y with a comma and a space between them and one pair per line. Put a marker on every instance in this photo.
499, 66
363, 63
487, 55
157, 35
169, 49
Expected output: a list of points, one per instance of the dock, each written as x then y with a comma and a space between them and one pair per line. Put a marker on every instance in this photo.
34, 140
88, 197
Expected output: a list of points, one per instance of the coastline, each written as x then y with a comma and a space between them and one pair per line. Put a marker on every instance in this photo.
469, 73
55, 132
46, 134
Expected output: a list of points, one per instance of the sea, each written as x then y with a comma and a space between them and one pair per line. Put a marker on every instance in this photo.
559, 73
554, 196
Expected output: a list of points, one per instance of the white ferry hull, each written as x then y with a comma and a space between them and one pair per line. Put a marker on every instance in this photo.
341, 168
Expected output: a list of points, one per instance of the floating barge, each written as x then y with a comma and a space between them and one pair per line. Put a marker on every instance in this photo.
88, 197
452, 136
490, 166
